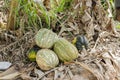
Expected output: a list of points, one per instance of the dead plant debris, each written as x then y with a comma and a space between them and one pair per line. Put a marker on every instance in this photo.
100, 62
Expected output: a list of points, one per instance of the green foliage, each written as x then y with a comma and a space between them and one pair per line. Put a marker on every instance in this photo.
118, 26
63, 5
109, 6
104, 4
29, 14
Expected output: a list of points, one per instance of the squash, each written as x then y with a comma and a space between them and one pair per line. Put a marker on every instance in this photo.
46, 59
32, 53
45, 38
81, 42
65, 50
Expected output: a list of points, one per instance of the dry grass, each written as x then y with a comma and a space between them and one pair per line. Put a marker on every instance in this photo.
99, 62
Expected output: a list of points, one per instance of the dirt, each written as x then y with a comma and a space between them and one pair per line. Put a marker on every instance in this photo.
100, 62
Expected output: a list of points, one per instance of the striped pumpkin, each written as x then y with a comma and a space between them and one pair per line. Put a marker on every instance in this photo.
65, 50
45, 38
46, 59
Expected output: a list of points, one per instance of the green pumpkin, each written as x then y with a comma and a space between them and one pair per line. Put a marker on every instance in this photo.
45, 38
46, 59
65, 50
32, 53
80, 42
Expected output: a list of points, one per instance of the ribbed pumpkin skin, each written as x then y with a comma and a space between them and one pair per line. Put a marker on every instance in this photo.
45, 38
65, 50
46, 59
81, 42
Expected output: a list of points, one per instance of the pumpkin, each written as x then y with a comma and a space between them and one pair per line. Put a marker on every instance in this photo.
32, 53
65, 50
80, 42
46, 59
45, 38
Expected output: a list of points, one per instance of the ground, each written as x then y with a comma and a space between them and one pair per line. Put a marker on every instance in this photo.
100, 62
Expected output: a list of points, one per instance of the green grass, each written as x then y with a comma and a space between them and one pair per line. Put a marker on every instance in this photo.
36, 15
118, 26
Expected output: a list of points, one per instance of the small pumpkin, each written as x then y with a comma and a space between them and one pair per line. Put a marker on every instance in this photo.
32, 53
65, 50
45, 38
80, 42
46, 59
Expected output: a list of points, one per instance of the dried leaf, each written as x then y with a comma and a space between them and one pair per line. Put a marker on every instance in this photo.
11, 73
78, 77
10, 76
